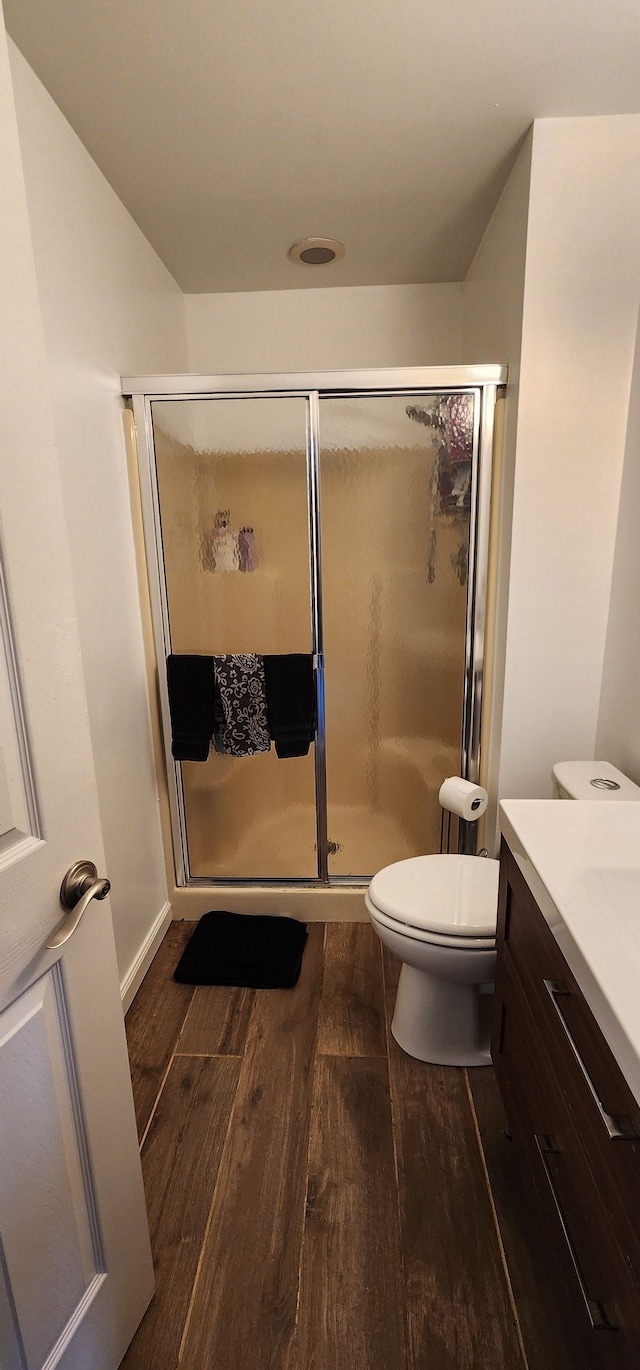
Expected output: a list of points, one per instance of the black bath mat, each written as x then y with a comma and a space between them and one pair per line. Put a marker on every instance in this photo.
247, 950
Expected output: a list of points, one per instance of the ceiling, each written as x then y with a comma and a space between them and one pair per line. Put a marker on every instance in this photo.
231, 130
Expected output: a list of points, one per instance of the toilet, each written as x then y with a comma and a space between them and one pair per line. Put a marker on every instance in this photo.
438, 915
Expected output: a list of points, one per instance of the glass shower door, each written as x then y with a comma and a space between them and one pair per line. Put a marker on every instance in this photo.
395, 484
233, 502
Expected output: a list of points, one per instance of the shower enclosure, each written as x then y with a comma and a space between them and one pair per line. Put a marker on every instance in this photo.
344, 515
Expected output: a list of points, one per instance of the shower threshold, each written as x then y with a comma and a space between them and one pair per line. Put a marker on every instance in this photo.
311, 901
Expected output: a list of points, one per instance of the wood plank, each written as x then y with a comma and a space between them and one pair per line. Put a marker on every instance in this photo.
154, 1021
217, 1021
244, 1306
180, 1161
458, 1307
351, 1291
543, 1334
352, 1005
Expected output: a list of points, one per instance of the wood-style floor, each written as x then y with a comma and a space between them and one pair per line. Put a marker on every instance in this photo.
317, 1199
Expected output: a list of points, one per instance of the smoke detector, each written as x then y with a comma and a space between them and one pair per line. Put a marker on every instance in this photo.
316, 251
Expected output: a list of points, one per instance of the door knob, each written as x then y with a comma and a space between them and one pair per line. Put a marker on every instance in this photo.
81, 884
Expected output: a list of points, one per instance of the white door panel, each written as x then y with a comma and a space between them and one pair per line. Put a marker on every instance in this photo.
11, 1355
75, 1263
48, 1212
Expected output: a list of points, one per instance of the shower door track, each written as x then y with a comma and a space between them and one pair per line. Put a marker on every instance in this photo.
142, 391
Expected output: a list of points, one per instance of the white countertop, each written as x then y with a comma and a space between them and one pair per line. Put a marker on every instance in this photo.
581, 861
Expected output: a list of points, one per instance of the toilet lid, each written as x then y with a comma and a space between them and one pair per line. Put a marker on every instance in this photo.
457, 895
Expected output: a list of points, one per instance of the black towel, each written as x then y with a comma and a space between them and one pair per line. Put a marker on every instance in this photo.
191, 695
253, 951
290, 702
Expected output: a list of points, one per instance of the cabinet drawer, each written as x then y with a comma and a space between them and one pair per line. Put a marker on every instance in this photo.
562, 1010
592, 1279
596, 1096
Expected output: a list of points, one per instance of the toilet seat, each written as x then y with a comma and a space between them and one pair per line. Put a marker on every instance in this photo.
449, 899
424, 935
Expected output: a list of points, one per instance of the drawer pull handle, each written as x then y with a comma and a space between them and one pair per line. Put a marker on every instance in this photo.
596, 1309
618, 1129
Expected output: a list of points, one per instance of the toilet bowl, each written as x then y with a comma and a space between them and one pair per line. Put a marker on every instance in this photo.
438, 915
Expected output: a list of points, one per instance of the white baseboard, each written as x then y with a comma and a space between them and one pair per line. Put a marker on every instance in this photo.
137, 971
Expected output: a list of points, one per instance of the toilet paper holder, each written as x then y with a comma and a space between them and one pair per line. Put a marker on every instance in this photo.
466, 800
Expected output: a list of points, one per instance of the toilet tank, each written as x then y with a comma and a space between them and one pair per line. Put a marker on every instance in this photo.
592, 780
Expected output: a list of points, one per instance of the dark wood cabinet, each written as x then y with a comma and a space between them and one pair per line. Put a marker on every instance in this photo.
576, 1127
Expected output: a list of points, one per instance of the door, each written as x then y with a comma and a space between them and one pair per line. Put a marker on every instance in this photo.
232, 474
396, 486
377, 564
75, 1264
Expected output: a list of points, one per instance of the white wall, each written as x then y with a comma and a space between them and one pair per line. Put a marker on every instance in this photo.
618, 735
330, 329
108, 306
493, 295
581, 298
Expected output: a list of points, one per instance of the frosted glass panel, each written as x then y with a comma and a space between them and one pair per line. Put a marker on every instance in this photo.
395, 499
234, 510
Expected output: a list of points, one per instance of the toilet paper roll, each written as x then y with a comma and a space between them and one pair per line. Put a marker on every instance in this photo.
460, 796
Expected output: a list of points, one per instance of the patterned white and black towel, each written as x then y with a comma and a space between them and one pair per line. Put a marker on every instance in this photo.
241, 726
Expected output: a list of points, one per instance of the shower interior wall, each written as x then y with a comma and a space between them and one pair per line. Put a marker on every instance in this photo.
394, 649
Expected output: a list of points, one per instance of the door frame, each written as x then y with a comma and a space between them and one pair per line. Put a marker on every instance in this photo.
484, 381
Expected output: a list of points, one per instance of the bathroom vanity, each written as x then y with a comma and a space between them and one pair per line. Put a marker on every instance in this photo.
566, 1048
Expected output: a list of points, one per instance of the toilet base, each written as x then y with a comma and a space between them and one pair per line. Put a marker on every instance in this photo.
438, 1021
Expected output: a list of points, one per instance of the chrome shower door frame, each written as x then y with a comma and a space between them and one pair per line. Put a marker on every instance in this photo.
484, 381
